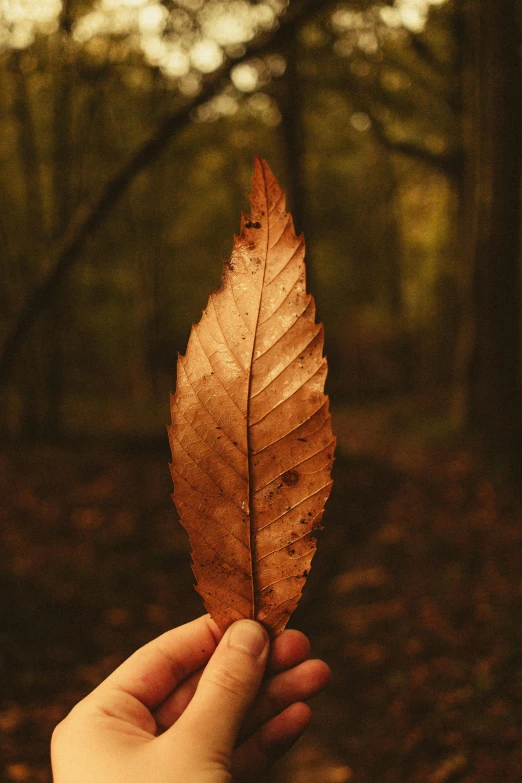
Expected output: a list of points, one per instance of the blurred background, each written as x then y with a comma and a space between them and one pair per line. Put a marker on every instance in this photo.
128, 131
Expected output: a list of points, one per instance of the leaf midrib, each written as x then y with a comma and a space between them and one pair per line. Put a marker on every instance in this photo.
252, 541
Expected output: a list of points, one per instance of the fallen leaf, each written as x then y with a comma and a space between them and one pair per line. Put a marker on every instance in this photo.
252, 446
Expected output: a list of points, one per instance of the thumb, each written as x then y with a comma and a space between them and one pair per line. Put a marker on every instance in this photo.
228, 686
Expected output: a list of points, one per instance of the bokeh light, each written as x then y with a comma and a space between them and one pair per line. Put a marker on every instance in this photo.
206, 55
245, 77
22, 20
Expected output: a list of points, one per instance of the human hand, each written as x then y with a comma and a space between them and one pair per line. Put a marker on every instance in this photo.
192, 707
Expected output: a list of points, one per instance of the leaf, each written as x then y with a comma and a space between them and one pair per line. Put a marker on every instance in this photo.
252, 446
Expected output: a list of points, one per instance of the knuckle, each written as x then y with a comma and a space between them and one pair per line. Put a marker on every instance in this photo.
229, 681
57, 733
62, 730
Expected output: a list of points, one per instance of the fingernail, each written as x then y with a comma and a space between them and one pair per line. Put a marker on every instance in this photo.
249, 636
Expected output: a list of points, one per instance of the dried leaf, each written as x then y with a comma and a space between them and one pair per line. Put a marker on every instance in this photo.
252, 446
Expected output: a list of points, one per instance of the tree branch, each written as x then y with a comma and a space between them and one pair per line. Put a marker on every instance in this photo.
89, 216
449, 164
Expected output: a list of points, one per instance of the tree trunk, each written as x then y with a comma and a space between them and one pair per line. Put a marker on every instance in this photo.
493, 137
63, 208
27, 143
293, 136
91, 214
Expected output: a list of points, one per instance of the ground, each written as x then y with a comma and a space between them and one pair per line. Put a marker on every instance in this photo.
414, 599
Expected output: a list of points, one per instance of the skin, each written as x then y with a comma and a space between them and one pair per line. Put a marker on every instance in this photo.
192, 707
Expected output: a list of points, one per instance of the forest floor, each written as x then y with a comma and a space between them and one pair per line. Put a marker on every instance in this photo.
415, 600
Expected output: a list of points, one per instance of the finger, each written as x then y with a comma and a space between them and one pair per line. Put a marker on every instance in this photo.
295, 685
226, 689
175, 705
288, 649
153, 671
260, 751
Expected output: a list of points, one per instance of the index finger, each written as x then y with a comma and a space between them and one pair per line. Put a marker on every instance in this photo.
155, 670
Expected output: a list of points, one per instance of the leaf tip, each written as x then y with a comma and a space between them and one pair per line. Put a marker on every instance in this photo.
259, 163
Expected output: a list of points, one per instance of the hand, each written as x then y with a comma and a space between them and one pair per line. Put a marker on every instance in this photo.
192, 707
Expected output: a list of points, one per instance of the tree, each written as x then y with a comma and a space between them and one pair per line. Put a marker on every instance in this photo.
93, 212
491, 221
82, 203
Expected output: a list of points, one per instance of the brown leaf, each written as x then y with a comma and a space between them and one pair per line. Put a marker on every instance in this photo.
252, 446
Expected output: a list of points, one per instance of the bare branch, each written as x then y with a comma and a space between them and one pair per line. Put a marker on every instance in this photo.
449, 164
89, 216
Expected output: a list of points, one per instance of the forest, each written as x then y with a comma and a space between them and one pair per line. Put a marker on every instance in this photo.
128, 135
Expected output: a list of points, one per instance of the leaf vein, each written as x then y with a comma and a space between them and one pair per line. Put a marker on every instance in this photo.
239, 309
291, 258
196, 394
282, 402
291, 289
219, 554
216, 376
283, 334
214, 597
225, 341
222, 492
188, 524
286, 219
287, 511
291, 543
321, 406
211, 448
292, 360
296, 465
286, 601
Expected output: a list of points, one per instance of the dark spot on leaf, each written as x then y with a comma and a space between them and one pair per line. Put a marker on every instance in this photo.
302, 521
257, 224
290, 478
303, 440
